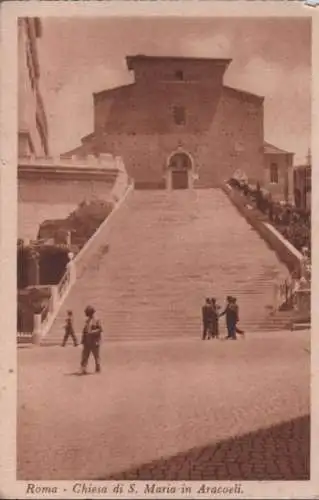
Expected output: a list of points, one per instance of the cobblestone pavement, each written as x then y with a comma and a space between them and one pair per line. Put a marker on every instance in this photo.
281, 452
187, 407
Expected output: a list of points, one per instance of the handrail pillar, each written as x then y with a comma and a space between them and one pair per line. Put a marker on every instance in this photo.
71, 269
36, 334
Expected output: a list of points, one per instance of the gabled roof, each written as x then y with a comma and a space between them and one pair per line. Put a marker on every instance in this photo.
113, 90
273, 150
243, 93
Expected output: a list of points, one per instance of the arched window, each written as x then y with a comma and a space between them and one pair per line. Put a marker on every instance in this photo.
274, 177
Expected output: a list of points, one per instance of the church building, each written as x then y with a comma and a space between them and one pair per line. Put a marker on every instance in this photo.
178, 126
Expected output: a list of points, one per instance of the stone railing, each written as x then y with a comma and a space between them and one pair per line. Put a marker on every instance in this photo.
75, 269
295, 295
121, 188
122, 181
286, 252
103, 161
291, 293
303, 303
284, 294
97, 241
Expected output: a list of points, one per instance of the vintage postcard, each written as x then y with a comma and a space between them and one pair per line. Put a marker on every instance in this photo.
157, 249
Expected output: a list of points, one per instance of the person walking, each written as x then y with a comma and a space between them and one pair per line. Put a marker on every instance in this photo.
207, 318
91, 340
69, 330
230, 312
236, 308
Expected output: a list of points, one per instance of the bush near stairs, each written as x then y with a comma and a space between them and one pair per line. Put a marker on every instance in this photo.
51, 260
51, 251
81, 223
32, 300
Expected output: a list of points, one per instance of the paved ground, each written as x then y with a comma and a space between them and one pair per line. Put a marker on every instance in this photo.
280, 452
168, 409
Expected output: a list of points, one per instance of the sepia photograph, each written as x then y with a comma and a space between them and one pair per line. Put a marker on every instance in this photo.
163, 250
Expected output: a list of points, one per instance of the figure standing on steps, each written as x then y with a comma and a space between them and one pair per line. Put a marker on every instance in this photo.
69, 330
238, 330
231, 314
215, 326
232, 317
91, 340
207, 318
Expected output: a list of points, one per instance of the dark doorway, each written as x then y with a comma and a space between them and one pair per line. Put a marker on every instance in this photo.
180, 164
179, 179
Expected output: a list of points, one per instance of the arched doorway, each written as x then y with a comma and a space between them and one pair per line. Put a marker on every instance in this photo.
179, 169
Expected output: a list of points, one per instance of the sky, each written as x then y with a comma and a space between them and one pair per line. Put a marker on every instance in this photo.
270, 57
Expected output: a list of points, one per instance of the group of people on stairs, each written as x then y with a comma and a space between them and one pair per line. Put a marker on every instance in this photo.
211, 315
92, 331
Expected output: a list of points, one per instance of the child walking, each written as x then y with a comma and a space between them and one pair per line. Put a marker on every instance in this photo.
69, 330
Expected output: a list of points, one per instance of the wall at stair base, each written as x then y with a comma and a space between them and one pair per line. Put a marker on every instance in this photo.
41, 199
276, 242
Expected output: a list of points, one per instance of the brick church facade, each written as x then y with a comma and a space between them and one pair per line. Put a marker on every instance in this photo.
179, 126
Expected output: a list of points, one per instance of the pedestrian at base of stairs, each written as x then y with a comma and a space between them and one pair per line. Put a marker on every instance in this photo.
69, 330
215, 316
238, 330
231, 312
91, 340
207, 318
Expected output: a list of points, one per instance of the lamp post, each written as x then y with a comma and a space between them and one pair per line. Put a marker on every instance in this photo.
71, 267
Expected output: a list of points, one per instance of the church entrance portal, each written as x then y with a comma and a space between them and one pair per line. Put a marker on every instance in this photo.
180, 166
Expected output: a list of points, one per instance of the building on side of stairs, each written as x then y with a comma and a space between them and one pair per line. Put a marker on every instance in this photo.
33, 127
302, 184
279, 173
179, 126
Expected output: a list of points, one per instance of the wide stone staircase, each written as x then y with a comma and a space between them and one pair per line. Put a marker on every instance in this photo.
167, 251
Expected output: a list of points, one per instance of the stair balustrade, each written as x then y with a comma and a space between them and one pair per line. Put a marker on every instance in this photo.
44, 320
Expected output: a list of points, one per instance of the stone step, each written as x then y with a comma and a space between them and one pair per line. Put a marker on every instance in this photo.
301, 326
167, 252
141, 332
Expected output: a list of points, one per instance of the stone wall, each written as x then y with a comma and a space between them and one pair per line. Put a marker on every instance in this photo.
45, 192
223, 130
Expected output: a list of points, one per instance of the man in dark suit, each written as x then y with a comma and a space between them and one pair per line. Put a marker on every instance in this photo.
238, 330
207, 318
231, 313
91, 339
215, 316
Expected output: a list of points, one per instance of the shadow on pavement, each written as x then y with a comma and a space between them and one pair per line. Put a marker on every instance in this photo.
280, 452
79, 374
